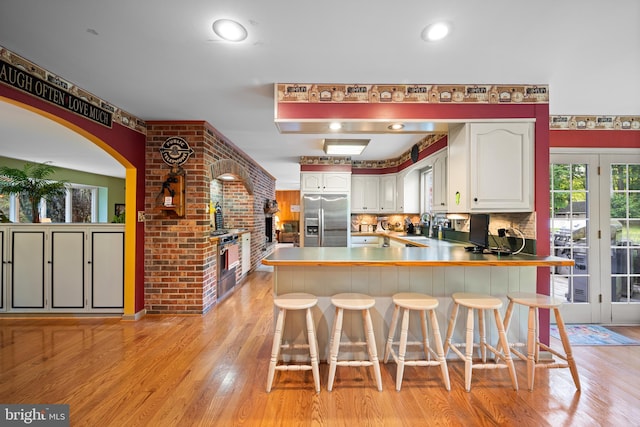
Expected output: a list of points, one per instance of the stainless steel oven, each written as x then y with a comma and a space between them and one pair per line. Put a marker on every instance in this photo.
226, 267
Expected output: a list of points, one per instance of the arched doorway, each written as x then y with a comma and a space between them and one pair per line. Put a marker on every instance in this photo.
83, 141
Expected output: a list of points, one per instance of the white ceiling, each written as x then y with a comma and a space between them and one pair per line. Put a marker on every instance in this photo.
160, 60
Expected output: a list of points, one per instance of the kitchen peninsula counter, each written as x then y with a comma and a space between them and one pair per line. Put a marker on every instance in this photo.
440, 269
437, 254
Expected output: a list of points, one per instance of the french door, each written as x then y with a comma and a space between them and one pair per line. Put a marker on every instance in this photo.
595, 220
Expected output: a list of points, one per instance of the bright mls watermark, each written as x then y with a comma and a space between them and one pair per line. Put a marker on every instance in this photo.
35, 415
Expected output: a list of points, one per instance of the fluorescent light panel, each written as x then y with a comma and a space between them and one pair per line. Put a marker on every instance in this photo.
345, 147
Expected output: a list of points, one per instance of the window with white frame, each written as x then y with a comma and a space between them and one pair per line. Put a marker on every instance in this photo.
79, 204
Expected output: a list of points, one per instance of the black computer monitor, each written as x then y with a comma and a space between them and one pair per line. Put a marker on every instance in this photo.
479, 231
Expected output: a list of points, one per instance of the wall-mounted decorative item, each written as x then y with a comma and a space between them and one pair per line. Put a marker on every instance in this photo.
175, 151
172, 194
271, 207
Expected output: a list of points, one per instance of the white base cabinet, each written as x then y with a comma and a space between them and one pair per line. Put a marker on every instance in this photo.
62, 268
491, 167
246, 253
366, 241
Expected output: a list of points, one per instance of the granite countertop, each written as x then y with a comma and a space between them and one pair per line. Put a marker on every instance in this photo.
439, 253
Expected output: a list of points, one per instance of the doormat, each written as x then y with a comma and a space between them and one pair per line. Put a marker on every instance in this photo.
592, 335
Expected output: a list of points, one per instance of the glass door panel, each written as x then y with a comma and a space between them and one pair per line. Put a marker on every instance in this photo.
623, 238
573, 185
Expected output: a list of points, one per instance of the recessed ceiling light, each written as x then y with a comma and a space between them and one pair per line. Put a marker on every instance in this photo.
345, 147
229, 30
436, 31
396, 126
335, 126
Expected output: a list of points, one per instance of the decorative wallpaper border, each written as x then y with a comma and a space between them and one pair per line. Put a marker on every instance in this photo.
416, 93
594, 122
118, 115
425, 142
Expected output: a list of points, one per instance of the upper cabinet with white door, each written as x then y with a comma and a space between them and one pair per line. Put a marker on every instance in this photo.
491, 167
388, 194
365, 193
439, 163
325, 182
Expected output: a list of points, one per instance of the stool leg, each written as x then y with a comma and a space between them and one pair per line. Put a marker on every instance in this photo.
402, 351
450, 328
371, 344
313, 350
468, 359
392, 333
333, 331
483, 336
505, 345
275, 348
335, 346
425, 334
532, 347
439, 351
507, 321
567, 348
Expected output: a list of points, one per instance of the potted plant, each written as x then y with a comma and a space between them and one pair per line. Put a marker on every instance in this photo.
32, 181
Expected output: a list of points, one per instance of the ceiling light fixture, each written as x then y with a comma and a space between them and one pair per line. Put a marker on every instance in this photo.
335, 126
229, 30
396, 126
435, 32
227, 177
345, 147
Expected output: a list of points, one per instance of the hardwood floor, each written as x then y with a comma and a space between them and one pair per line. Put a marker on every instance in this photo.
212, 369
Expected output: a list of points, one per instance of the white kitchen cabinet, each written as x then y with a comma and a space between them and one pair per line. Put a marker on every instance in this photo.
325, 182
439, 168
107, 270
365, 193
366, 241
246, 253
68, 269
387, 193
63, 268
408, 191
491, 167
26, 273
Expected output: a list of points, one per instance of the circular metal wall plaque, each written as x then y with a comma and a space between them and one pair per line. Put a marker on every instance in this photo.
175, 151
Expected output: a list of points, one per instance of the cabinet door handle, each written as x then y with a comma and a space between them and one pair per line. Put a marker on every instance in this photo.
48, 262
475, 199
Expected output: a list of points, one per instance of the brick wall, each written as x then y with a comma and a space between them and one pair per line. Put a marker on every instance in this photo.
180, 260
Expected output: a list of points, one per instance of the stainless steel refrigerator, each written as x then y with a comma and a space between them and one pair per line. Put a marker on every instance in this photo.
326, 220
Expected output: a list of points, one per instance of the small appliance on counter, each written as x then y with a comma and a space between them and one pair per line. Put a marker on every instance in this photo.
383, 224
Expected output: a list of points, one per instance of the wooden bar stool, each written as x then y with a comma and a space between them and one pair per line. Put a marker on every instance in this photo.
294, 301
408, 301
535, 302
480, 303
353, 301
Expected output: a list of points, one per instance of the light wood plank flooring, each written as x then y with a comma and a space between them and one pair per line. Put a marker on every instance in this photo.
211, 371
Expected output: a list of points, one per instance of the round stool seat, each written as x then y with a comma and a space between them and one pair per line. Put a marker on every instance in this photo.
353, 301
532, 299
415, 301
477, 301
295, 301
